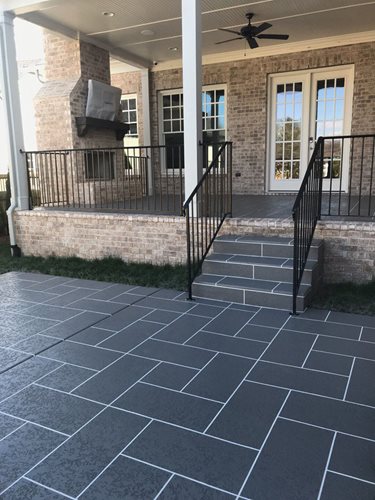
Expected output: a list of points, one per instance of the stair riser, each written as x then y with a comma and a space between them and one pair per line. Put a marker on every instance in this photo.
249, 297
264, 249
228, 269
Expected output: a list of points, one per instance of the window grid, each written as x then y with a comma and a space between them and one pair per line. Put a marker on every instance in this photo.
129, 114
329, 121
288, 130
213, 111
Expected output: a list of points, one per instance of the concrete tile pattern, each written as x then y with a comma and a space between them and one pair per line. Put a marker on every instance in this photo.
116, 391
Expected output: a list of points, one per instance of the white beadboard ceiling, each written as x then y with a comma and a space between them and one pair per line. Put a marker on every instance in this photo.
303, 20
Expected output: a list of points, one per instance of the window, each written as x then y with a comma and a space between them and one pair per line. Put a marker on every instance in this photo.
172, 122
129, 113
99, 165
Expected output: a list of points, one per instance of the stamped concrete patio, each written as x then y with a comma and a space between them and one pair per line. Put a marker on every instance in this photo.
113, 392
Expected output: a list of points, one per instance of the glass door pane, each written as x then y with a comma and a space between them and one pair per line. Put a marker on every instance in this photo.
288, 128
329, 121
288, 131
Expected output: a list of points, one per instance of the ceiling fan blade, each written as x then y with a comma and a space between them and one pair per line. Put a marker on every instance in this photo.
253, 43
274, 37
230, 40
230, 31
262, 27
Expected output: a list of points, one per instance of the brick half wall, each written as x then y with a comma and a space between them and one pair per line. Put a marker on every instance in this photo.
133, 238
349, 253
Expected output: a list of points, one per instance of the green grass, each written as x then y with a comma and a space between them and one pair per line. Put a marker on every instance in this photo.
109, 269
347, 297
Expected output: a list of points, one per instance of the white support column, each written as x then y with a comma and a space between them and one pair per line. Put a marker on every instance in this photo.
192, 88
12, 106
145, 85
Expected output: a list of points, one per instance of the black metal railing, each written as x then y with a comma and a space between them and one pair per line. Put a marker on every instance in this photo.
339, 182
142, 179
348, 176
306, 213
207, 207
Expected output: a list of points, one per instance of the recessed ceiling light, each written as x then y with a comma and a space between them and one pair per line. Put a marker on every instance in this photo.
147, 32
108, 14
173, 49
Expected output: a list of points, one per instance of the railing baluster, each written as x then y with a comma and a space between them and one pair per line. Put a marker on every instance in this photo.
206, 209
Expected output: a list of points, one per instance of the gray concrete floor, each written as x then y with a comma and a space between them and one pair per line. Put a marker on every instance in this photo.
116, 391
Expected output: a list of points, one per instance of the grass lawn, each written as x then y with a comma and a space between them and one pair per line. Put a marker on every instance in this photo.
108, 269
347, 297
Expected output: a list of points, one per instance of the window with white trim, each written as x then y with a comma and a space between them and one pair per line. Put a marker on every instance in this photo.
129, 113
172, 121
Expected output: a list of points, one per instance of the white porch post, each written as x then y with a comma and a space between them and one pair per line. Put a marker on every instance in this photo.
145, 85
12, 107
192, 88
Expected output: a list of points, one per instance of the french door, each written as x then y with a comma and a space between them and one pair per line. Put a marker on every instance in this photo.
305, 106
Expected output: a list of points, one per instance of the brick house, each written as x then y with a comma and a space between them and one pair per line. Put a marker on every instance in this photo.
271, 103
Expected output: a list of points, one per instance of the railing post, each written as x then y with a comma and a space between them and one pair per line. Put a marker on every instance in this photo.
189, 270
295, 263
230, 168
321, 162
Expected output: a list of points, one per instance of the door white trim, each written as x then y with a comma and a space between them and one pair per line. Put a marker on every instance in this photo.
309, 78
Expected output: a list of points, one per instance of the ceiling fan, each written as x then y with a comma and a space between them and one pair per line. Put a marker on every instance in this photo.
250, 33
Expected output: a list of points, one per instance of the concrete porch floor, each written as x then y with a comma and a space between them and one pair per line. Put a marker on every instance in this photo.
247, 206
116, 391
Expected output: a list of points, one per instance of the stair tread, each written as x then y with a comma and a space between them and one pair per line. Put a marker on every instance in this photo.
281, 262
277, 287
276, 240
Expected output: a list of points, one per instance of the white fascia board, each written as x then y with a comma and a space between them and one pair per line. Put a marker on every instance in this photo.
43, 21
274, 50
18, 7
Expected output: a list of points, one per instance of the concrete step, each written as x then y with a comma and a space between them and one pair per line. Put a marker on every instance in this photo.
267, 246
257, 270
250, 291
257, 267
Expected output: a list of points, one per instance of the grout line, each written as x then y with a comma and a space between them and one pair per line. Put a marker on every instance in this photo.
349, 380
14, 430
113, 460
308, 354
199, 372
203, 349
43, 486
180, 475
35, 423
263, 444
182, 393
242, 381
164, 487
188, 429
326, 428
202, 328
360, 335
76, 432
28, 385
326, 318
351, 477
327, 465
340, 400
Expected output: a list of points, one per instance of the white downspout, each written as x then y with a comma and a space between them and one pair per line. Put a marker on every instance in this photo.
13, 120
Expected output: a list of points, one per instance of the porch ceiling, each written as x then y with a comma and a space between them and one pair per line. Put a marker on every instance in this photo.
122, 33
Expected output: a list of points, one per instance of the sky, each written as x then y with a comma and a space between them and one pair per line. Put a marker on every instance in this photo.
29, 46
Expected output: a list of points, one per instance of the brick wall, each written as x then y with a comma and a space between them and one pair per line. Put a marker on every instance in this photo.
69, 65
349, 246
134, 238
246, 82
